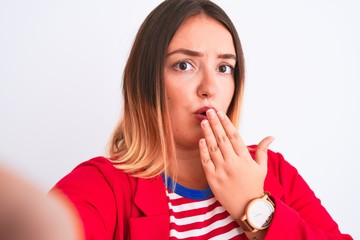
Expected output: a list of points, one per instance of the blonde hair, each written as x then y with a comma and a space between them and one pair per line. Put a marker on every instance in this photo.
142, 142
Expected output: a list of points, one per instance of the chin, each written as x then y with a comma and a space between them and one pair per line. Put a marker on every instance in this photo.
188, 143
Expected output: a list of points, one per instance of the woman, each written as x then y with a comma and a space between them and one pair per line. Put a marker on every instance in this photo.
177, 166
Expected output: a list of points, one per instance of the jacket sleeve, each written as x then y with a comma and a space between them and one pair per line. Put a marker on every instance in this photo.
298, 213
89, 187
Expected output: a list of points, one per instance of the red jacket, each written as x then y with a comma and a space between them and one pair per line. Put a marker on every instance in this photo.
114, 205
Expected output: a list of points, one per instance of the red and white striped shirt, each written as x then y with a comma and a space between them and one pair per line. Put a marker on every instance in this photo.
196, 214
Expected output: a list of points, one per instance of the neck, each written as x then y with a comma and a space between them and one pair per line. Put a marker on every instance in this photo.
187, 169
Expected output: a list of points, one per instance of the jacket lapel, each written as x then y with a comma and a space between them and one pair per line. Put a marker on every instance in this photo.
150, 196
152, 219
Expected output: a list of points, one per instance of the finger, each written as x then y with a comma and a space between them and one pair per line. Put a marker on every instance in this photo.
221, 138
211, 143
233, 134
206, 161
262, 149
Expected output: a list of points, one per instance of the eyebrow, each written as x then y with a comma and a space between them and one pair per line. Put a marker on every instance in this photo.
199, 54
186, 52
227, 56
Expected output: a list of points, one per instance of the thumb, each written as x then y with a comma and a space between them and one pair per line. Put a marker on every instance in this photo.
261, 151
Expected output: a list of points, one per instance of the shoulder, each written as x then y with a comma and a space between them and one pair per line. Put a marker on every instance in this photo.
100, 166
100, 174
103, 166
102, 195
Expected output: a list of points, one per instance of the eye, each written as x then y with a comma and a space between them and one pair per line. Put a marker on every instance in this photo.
183, 66
227, 69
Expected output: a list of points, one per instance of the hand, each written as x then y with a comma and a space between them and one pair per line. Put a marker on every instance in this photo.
27, 213
233, 176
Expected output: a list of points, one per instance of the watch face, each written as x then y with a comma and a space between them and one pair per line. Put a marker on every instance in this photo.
260, 214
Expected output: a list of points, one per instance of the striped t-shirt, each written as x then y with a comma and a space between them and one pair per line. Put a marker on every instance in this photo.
196, 214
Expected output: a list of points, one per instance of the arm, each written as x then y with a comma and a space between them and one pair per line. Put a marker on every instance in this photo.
299, 213
26, 213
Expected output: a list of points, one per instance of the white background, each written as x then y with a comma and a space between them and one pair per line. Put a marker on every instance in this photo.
61, 64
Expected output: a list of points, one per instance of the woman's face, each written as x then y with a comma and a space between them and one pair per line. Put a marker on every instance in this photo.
198, 75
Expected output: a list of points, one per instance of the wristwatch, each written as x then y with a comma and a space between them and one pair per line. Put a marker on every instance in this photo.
258, 214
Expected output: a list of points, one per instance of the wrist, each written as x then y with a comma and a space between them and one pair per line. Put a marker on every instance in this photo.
258, 214
245, 203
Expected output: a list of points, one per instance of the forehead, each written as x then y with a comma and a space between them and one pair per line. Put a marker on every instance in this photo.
201, 32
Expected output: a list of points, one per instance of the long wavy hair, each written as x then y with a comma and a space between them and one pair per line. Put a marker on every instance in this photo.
142, 142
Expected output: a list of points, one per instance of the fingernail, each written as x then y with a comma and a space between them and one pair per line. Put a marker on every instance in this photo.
204, 123
272, 138
210, 113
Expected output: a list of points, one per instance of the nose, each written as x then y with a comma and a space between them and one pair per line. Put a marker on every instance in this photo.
207, 85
